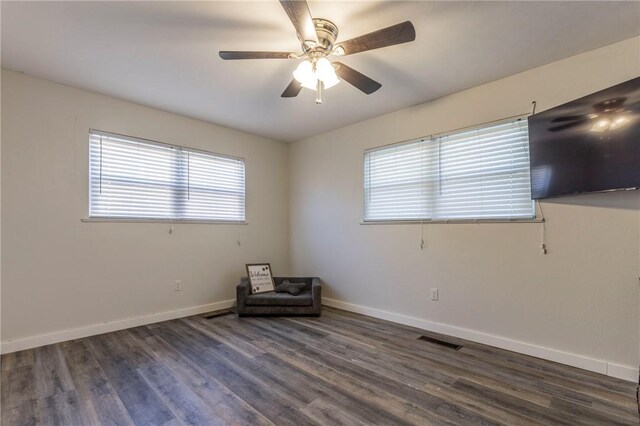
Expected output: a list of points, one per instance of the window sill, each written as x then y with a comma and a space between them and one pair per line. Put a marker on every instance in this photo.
449, 221
164, 221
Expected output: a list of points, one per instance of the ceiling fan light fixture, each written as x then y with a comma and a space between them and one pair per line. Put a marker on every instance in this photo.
619, 122
308, 77
324, 70
326, 73
305, 75
610, 123
601, 125
330, 82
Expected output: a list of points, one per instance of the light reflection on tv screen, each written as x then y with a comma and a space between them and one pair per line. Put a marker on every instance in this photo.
588, 145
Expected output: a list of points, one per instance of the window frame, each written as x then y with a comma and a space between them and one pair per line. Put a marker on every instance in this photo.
534, 219
90, 218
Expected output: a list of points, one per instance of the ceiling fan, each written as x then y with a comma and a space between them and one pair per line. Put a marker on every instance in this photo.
610, 114
318, 39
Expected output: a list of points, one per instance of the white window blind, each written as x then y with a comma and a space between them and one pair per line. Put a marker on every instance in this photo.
133, 178
474, 174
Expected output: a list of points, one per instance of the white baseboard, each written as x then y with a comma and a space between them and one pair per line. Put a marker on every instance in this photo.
625, 372
91, 330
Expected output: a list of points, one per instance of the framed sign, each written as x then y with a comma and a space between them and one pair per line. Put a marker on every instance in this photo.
260, 277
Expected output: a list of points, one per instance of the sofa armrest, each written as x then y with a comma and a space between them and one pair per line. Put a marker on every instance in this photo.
242, 291
316, 293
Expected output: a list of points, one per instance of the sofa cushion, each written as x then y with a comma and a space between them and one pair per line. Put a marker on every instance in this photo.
291, 288
280, 299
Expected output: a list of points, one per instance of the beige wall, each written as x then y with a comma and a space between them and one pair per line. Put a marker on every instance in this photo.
60, 273
578, 304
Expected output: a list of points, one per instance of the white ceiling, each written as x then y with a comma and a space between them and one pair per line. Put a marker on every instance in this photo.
165, 54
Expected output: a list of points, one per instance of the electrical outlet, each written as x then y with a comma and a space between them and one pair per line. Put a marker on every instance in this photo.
178, 285
434, 294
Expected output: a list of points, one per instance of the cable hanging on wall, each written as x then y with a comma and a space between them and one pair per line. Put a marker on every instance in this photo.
543, 222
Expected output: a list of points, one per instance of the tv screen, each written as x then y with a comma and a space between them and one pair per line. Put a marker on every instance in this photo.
591, 144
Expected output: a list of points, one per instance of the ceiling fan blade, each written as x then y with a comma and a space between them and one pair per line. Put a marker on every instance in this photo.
567, 118
395, 34
568, 126
300, 17
292, 89
357, 79
226, 54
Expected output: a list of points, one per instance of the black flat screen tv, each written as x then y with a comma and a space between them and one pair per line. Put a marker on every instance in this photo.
591, 144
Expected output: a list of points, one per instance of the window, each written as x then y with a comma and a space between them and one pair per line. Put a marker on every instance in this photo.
473, 174
134, 178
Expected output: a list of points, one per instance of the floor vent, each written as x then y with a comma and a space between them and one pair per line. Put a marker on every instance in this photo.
219, 314
440, 342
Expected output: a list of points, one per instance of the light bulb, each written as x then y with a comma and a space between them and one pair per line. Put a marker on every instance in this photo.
326, 73
619, 122
324, 69
601, 125
305, 76
330, 82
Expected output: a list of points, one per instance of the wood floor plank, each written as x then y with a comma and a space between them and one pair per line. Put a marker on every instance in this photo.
417, 397
412, 369
230, 338
264, 397
585, 415
512, 404
477, 405
27, 414
141, 401
18, 387
93, 386
50, 371
62, 409
301, 382
339, 369
328, 414
17, 360
362, 400
185, 404
225, 404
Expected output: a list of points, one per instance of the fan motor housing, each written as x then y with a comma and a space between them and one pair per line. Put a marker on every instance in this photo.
327, 33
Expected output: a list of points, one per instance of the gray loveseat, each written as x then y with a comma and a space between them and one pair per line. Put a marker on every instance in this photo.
308, 302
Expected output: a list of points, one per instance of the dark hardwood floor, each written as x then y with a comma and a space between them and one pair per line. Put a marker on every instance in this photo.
341, 368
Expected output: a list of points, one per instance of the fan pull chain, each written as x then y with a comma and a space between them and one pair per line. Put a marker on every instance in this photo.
319, 93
